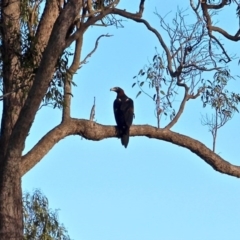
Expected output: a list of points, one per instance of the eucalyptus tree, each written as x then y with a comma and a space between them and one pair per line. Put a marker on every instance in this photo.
36, 71
41, 222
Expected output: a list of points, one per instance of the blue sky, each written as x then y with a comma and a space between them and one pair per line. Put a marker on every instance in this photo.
152, 190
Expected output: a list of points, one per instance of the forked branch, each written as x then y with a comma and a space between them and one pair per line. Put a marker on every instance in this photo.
208, 19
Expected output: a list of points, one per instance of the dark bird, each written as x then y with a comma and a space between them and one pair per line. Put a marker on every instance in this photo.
123, 111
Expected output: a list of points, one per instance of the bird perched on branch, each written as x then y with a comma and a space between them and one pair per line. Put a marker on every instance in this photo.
123, 111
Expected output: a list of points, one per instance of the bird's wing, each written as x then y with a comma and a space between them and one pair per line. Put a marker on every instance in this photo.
128, 112
117, 112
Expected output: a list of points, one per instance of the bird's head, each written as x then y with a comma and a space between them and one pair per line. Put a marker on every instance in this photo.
118, 90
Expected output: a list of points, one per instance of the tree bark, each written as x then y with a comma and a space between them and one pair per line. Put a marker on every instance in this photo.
96, 132
18, 112
11, 223
11, 220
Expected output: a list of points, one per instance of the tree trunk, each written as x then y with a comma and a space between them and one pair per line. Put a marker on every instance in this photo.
18, 111
11, 223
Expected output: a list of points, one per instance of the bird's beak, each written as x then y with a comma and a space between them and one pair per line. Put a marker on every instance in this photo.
113, 89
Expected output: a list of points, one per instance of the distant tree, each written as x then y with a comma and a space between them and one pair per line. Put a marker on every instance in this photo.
35, 71
40, 222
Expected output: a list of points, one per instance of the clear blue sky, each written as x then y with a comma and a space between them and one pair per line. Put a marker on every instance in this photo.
152, 190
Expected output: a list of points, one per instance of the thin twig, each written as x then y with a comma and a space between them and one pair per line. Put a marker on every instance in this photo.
15, 90
94, 49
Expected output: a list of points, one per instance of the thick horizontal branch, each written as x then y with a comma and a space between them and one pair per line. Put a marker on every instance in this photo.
95, 132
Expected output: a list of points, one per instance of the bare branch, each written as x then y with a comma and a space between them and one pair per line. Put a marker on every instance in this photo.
222, 4
194, 96
92, 113
235, 37
73, 68
68, 79
7, 94
205, 7
217, 121
173, 73
141, 7
195, 9
103, 13
190, 56
182, 105
94, 49
84, 26
97, 132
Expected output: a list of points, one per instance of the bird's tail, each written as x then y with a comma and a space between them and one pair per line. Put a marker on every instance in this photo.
125, 137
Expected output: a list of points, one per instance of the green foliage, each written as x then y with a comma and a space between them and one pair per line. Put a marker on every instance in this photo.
214, 93
155, 79
218, 97
54, 95
40, 222
30, 57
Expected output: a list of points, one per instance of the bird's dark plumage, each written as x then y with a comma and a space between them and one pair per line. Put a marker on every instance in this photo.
123, 111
